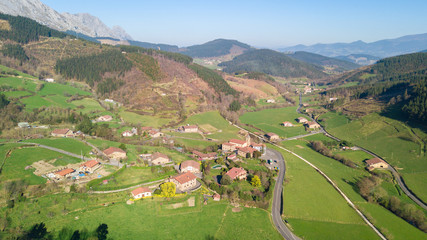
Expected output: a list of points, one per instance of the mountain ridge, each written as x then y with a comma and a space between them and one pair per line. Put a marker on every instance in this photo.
83, 23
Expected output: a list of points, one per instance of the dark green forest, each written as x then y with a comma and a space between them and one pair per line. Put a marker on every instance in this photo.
273, 63
213, 79
15, 51
320, 60
25, 30
91, 68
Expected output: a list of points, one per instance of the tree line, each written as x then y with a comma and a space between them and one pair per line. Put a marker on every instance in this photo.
15, 51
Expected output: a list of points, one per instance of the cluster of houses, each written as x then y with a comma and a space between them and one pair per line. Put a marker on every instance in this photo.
242, 148
85, 168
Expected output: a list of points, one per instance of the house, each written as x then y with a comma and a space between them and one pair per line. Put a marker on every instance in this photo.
287, 124
271, 101
24, 125
51, 80
155, 134
184, 181
238, 143
228, 147
115, 153
376, 163
272, 136
159, 158
333, 99
260, 147
309, 110
62, 133
205, 156
105, 118
127, 134
146, 129
141, 192
216, 197
312, 125
305, 104
61, 174
237, 173
302, 120
232, 157
190, 166
90, 166
246, 151
189, 128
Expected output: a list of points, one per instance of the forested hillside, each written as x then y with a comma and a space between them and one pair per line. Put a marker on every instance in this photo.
273, 63
215, 48
316, 59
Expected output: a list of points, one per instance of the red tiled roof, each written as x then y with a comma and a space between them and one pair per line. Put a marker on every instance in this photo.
271, 134
64, 172
228, 144
232, 156
237, 141
287, 123
90, 163
234, 172
146, 128
189, 163
111, 150
60, 131
190, 126
374, 161
301, 118
107, 117
257, 144
247, 150
184, 177
159, 155
140, 190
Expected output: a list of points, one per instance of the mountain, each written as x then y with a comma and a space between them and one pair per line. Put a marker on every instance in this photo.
83, 23
336, 65
273, 63
216, 48
382, 48
361, 59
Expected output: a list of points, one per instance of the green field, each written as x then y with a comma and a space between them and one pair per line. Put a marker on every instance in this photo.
144, 120
391, 139
18, 83
4, 68
60, 89
153, 219
269, 120
16, 94
66, 144
212, 121
14, 167
89, 106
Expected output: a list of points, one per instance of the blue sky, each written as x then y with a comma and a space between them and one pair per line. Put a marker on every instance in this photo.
259, 23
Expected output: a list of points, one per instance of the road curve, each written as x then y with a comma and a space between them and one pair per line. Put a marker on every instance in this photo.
396, 175
277, 208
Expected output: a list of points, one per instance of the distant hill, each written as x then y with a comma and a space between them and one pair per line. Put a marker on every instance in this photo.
216, 48
316, 59
382, 48
361, 59
163, 47
273, 63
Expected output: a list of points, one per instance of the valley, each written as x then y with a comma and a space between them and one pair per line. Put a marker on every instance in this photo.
105, 138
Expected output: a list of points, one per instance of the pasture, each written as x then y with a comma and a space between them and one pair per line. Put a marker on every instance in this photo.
269, 120
213, 120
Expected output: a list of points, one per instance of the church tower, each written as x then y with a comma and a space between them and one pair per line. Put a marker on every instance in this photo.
248, 139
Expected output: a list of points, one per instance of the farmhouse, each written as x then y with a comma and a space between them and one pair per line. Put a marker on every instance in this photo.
260, 147
127, 134
62, 133
238, 143
376, 163
302, 120
272, 136
184, 181
237, 173
189, 128
313, 125
24, 125
146, 129
141, 192
228, 147
309, 110
271, 101
105, 118
51, 80
333, 99
190, 166
64, 173
216, 197
159, 158
115, 153
205, 156
287, 124
90, 166
246, 152
155, 134
232, 157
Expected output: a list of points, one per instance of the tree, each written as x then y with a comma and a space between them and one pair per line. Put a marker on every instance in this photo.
226, 180
168, 189
76, 235
102, 231
234, 106
37, 231
256, 181
122, 146
3, 101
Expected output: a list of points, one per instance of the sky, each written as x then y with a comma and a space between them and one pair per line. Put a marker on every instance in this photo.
268, 23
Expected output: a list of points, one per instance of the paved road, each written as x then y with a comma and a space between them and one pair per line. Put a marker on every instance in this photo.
128, 188
396, 175
277, 208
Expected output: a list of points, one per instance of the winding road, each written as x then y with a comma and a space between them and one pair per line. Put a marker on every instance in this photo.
396, 175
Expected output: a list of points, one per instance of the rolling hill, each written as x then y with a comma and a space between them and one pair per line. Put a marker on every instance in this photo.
382, 48
273, 63
326, 62
361, 59
216, 48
